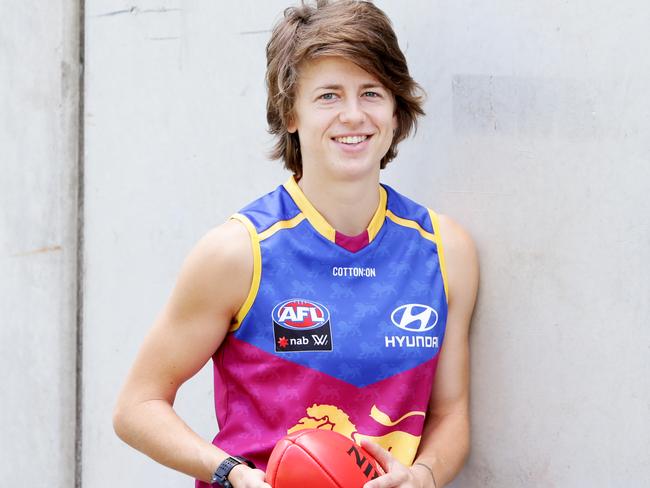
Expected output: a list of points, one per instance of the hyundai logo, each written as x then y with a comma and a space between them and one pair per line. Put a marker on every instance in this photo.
414, 317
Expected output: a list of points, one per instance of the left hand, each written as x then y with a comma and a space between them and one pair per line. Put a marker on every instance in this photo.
397, 475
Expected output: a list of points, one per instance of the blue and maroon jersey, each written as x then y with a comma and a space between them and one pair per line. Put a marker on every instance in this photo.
336, 333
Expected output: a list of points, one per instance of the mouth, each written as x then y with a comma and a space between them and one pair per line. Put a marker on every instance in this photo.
352, 141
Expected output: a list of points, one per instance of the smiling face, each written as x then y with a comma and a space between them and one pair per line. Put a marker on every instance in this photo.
344, 118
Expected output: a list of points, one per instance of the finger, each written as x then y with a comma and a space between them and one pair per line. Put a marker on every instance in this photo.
382, 456
389, 480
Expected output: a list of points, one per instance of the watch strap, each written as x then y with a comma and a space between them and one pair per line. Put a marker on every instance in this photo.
220, 475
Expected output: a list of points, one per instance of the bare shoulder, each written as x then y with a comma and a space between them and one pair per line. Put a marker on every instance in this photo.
461, 259
229, 238
455, 238
218, 270
228, 244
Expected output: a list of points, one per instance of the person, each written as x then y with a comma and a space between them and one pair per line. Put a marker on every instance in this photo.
333, 301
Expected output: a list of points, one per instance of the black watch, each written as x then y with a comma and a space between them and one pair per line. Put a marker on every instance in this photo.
220, 476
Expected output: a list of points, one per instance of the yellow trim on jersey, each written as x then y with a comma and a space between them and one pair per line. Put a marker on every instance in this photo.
323, 226
257, 271
282, 224
413, 225
315, 219
380, 215
435, 221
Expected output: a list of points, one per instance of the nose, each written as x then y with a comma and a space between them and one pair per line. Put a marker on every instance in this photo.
352, 113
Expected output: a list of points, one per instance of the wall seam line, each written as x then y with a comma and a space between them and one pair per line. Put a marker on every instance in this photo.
78, 444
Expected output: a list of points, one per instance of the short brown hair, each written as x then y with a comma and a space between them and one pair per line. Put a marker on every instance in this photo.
355, 30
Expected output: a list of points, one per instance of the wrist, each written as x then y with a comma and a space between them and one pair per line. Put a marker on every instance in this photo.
419, 475
424, 475
238, 473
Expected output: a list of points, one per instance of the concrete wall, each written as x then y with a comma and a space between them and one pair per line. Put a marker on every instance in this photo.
174, 119
38, 241
536, 140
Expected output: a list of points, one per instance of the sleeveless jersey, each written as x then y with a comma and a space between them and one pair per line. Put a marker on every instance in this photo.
329, 338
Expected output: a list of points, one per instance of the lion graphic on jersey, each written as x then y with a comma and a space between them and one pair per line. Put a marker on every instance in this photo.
401, 444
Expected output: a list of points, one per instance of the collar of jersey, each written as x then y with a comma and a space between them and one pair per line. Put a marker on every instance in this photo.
321, 225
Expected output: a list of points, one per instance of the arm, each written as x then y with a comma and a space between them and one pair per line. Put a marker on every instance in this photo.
445, 439
213, 283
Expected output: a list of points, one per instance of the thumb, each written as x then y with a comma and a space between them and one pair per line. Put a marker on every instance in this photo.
382, 456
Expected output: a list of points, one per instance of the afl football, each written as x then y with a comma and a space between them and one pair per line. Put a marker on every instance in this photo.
316, 458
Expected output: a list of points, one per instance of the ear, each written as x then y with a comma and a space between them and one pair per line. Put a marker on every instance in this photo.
394, 122
292, 127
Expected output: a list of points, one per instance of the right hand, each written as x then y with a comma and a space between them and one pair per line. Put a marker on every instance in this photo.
242, 476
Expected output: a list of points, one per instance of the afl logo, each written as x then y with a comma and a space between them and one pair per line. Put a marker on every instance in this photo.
299, 314
414, 317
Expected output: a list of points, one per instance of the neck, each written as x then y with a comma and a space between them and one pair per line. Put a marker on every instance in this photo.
347, 205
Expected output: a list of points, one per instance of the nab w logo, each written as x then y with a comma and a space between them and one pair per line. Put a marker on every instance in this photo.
301, 326
319, 340
414, 317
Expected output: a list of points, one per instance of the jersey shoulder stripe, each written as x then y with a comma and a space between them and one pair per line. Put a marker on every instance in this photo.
257, 271
405, 208
270, 209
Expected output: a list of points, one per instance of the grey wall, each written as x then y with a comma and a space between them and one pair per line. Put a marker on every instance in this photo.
175, 138
536, 140
38, 241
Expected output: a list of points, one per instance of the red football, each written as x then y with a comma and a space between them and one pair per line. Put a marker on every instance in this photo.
317, 458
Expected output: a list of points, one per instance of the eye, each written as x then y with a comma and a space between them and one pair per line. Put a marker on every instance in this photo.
371, 94
327, 96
